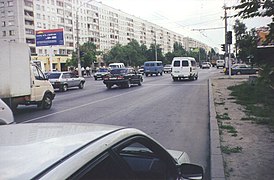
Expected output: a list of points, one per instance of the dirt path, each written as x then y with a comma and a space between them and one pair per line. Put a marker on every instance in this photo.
249, 147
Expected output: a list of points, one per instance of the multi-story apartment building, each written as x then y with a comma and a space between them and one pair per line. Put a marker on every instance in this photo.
98, 23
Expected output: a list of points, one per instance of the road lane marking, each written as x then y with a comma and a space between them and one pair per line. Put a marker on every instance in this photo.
112, 97
77, 107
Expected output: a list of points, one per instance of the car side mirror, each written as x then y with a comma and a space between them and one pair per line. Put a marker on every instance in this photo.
191, 171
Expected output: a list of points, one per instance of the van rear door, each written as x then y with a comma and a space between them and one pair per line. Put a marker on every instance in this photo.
176, 68
186, 68
180, 68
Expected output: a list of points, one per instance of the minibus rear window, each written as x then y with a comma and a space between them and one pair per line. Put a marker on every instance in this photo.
176, 63
184, 63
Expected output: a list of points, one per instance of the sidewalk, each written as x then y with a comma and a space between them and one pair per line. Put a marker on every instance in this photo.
249, 148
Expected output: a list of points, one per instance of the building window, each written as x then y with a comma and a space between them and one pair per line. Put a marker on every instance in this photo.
38, 7
2, 4
10, 3
4, 33
11, 23
38, 16
10, 13
12, 33
30, 31
39, 25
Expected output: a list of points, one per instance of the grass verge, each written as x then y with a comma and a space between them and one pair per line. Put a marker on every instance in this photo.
258, 100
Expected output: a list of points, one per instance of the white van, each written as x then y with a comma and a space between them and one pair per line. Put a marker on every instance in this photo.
220, 63
116, 65
184, 67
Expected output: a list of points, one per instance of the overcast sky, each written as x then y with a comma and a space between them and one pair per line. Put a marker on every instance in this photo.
186, 16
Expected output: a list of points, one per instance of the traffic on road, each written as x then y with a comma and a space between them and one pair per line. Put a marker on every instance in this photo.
155, 108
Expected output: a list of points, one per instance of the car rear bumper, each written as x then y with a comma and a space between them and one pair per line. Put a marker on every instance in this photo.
120, 81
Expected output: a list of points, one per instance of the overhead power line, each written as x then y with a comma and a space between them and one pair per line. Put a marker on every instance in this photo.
207, 29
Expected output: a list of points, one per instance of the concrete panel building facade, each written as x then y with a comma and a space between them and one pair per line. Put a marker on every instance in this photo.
98, 23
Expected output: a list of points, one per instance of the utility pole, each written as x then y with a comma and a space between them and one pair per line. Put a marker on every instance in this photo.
78, 43
155, 47
226, 47
228, 42
78, 38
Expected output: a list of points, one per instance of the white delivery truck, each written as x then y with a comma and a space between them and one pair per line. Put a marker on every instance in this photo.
21, 81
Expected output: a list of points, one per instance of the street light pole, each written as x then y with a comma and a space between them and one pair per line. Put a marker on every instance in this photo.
155, 47
78, 39
78, 43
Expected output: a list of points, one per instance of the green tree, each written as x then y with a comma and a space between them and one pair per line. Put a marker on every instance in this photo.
240, 31
116, 54
212, 54
248, 46
87, 55
258, 8
150, 54
178, 50
134, 53
169, 57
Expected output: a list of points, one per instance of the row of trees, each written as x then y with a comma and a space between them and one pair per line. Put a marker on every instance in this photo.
246, 41
134, 54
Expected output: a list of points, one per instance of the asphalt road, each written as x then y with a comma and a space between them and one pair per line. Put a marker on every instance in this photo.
174, 113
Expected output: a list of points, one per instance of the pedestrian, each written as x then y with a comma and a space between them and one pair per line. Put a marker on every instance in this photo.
87, 71
83, 71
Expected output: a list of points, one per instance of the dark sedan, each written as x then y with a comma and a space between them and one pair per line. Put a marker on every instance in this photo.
242, 69
122, 77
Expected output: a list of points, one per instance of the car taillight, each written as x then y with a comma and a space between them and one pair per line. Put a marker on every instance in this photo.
120, 77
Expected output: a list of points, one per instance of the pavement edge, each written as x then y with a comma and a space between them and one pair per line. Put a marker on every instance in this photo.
216, 157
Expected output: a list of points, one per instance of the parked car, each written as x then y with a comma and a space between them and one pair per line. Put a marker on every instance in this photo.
242, 69
88, 151
153, 67
100, 73
65, 80
220, 63
206, 65
6, 115
167, 68
184, 67
122, 77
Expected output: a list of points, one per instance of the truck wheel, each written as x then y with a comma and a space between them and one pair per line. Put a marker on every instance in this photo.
95, 78
127, 84
108, 86
65, 88
46, 102
161, 73
81, 85
175, 79
146, 74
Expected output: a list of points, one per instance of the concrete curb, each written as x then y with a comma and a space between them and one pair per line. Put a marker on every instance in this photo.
216, 157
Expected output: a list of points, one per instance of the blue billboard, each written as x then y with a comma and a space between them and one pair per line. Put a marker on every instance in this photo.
50, 37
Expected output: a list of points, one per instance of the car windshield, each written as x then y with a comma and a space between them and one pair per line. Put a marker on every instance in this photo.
54, 75
103, 70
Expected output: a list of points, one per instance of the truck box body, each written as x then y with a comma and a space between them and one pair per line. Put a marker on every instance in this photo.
15, 69
21, 81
